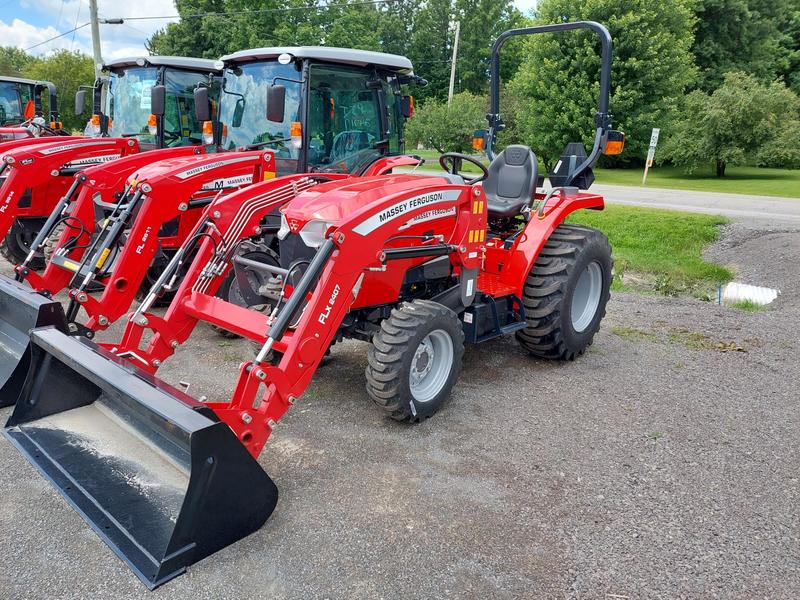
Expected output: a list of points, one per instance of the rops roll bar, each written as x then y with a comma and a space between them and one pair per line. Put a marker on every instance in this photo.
602, 118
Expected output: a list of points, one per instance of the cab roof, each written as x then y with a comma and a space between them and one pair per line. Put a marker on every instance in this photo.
179, 62
3, 78
346, 56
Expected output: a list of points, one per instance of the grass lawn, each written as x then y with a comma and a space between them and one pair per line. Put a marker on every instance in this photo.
659, 249
737, 180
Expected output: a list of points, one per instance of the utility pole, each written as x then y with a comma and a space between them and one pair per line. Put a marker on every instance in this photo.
98, 59
453, 65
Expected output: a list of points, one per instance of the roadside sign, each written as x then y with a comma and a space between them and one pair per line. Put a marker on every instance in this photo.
651, 152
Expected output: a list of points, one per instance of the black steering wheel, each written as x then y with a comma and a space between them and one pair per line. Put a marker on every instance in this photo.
41, 126
451, 162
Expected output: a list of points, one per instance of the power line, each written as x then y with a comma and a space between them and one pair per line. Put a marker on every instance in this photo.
55, 37
262, 10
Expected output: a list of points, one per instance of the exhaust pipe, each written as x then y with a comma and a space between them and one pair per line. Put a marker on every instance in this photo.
154, 472
21, 309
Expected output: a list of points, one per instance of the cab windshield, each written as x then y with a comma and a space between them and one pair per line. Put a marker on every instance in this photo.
243, 110
10, 105
128, 105
128, 102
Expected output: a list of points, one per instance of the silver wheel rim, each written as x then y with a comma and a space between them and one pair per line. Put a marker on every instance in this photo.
430, 366
586, 297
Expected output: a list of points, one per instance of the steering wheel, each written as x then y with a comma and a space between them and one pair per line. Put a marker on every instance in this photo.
41, 126
451, 162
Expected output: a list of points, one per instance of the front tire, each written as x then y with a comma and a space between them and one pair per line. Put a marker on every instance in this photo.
566, 293
18, 243
415, 360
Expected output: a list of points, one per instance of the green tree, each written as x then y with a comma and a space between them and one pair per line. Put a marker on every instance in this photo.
13, 61
68, 71
423, 31
447, 129
743, 121
559, 78
783, 150
759, 37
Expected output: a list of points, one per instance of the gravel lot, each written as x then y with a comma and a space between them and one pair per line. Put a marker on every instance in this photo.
663, 464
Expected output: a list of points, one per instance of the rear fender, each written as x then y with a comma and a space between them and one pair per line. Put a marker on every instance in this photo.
384, 165
523, 255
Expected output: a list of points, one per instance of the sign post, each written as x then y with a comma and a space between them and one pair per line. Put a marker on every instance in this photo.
651, 152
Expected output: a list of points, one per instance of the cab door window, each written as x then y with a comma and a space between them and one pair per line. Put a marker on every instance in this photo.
344, 120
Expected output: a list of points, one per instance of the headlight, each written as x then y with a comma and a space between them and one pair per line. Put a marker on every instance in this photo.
313, 234
284, 230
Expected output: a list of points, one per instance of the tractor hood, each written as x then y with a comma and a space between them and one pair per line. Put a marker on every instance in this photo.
330, 202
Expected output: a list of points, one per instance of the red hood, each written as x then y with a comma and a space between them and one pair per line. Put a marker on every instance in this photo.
336, 199
187, 168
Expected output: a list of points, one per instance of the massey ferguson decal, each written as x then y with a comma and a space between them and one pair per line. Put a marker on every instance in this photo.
94, 160
228, 182
401, 208
431, 215
214, 165
67, 147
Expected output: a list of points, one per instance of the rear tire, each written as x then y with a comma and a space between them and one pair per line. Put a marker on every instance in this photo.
17, 245
415, 360
566, 293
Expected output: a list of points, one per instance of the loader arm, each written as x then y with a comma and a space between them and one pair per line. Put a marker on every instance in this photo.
181, 188
76, 211
36, 176
226, 222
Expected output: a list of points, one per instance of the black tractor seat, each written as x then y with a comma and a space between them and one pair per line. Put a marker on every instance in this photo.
511, 182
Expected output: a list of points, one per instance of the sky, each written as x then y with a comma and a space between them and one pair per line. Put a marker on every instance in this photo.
28, 23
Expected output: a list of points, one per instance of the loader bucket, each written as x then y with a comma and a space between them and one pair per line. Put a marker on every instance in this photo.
157, 476
21, 309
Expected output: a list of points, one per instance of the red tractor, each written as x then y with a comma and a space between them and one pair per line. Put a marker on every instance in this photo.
416, 265
22, 114
158, 204
149, 105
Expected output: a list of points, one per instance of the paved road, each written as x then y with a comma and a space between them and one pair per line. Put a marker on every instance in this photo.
755, 210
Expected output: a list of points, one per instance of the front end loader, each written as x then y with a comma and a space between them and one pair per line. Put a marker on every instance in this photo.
148, 106
416, 265
88, 231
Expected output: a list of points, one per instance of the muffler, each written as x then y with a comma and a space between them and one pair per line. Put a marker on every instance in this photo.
154, 472
21, 309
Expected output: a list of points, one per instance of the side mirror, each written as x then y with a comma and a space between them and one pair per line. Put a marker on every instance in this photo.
238, 113
407, 106
276, 103
80, 102
158, 99
202, 111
